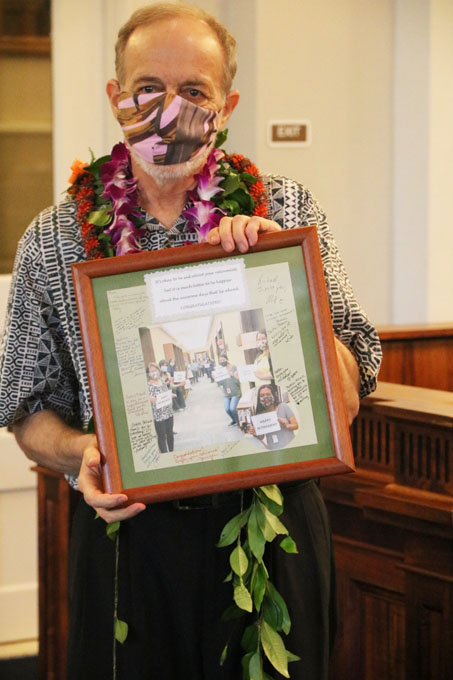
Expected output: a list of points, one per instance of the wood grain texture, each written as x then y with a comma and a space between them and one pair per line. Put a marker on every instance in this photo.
418, 355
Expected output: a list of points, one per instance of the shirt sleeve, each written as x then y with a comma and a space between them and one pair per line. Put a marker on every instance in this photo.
285, 411
293, 205
36, 369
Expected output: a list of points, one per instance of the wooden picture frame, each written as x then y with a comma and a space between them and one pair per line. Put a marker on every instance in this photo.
128, 306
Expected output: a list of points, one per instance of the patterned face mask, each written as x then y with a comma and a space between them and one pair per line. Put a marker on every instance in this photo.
165, 129
267, 401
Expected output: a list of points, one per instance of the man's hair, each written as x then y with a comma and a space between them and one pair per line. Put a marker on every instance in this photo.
166, 10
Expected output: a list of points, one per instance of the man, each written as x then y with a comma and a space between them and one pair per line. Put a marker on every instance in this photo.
170, 588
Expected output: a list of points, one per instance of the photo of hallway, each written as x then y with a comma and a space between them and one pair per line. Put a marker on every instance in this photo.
204, 421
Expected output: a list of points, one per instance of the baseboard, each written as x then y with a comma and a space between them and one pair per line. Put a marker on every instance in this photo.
20, 668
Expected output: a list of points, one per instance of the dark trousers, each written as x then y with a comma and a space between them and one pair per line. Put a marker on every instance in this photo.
164, 431
180, 401
172, 595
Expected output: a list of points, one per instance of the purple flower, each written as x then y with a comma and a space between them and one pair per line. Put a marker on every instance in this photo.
207, 179
116, 175
124, 235
203, 216
208, 186
127, 243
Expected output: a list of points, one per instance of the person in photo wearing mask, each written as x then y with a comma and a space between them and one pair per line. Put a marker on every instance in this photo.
262, 363
267, 401
231, 388
161, 403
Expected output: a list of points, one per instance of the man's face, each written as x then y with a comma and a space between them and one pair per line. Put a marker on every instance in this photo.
179, 56
182, 57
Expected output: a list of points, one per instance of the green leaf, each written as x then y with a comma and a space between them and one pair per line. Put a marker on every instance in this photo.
121, 630
270, 505
112, 530
243, 598
100, 218
95, 165
273, 492
223, 655
277, 599
256, 539
232, 528
274, 649
243, 198
258, 585
230, 184
231, 207
228, 578
239, 561
255, 667
292, 657
288, 545
250, 638
245, 661
247, 177
272, 613
274, 522
220, 138
232, 612
267, 530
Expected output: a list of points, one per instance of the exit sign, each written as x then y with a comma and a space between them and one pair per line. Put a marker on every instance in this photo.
289, 133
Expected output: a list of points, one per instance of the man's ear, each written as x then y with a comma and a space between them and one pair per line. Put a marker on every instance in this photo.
231, 101
113, 92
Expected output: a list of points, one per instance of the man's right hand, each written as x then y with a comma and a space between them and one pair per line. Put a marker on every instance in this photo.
109, 506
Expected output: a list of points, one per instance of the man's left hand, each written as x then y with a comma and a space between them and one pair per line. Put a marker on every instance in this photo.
350, 378
240, 231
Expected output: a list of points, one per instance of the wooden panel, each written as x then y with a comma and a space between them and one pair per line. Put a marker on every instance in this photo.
430, 650
371, 600
418, 355
55, 505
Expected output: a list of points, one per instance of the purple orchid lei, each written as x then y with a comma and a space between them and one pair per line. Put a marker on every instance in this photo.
112, 222
121, 188
204, 215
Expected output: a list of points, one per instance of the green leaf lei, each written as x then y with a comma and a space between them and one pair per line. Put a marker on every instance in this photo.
253, 592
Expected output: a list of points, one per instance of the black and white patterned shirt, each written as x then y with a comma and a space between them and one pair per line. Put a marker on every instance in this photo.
41, 362
164, 412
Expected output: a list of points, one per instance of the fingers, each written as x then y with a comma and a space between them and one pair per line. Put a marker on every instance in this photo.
122, 514
240, 231
109, 506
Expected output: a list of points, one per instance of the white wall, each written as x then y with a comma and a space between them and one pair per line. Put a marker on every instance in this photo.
423, 151
18, 532
440, 220
335, 68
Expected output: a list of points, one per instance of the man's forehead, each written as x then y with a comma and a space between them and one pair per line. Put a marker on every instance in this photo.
169, 43
190, 31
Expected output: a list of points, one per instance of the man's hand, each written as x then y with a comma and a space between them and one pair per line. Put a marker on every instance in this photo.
109, 506
350, 378
240, 231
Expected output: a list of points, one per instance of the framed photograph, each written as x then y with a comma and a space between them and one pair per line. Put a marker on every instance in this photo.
210, 371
